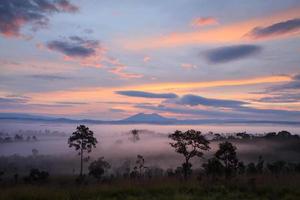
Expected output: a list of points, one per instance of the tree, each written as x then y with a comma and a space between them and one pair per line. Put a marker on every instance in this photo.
98, 167
82, 140
227, 155
35, 152
135, 135
213, 167
140, 164
36, 175
190, 144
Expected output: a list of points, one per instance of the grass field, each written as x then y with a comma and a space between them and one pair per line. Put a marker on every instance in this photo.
260, 187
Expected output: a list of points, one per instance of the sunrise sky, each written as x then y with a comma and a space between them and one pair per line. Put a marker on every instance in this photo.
187, 59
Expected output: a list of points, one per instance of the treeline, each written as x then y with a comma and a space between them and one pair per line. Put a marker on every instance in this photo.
17, 138
243, 135
27, 135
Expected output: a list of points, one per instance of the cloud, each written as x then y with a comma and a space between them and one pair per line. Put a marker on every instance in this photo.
277, 29
231, 53
119, 68
188, 66
48, 77
9, 100
142, 94
16, 13
70, 103
146, 59
281, 98
204, 21
116, 110
240, 112
293, 84
283, 93
74, 48
227, 33
194, 100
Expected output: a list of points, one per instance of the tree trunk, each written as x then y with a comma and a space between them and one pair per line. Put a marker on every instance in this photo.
81, 163
185, 169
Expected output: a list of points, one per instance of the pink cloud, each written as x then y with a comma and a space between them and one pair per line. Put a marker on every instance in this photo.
188, 66
146, 59
204, 21
119, 70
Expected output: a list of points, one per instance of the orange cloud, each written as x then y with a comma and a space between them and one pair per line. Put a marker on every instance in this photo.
119, 70
203, 21
208, 84
229, 33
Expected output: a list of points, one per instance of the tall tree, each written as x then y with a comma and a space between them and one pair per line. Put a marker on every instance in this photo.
190, 144
82, 140
227, 155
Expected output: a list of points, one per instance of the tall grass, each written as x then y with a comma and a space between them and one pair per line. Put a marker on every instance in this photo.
264, 187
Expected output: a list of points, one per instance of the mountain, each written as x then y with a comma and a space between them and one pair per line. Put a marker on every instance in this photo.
140, 118
148, 118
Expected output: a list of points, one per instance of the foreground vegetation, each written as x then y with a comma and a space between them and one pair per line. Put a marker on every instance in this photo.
284, 187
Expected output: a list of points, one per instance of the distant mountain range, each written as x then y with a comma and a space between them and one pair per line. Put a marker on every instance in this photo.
140, 118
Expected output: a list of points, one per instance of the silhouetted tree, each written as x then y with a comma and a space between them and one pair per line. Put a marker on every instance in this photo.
135, 135
260, 165
140, 164
83, 140
18, 137
213, 167
270, 135
190, 144
276, 167
241, 168
35, 152
98, 167
1, 174
227, 154
243, 135
16, 178
284, 134
36, 175
251, 168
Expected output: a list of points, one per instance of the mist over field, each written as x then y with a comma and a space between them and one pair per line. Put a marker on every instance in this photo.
117, 145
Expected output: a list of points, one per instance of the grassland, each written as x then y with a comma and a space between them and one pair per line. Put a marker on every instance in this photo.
264, 187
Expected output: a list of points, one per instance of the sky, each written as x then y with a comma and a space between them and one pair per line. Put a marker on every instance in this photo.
110, 59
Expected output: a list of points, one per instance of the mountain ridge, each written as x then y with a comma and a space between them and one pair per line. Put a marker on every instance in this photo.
139, 118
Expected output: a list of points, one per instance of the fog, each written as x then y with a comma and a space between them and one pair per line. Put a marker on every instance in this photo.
116, 144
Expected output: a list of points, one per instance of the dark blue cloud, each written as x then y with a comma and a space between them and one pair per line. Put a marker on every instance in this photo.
12, 100
280, 28
16, 13
133, 93
116, 110
241, 112
194, 100
74, 46
230, 53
